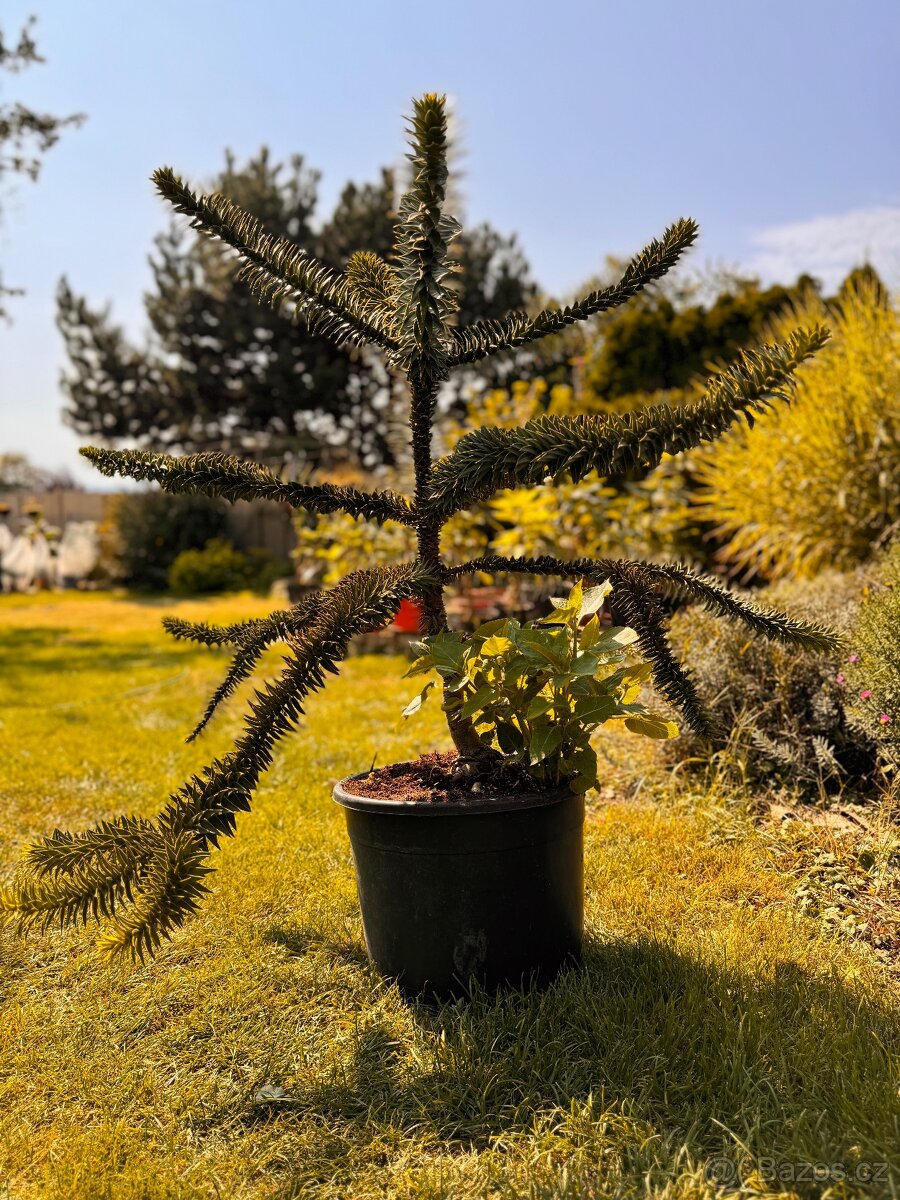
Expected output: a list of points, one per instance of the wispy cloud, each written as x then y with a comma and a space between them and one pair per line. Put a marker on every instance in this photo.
830, 246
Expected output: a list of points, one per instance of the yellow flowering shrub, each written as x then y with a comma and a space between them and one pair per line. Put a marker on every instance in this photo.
818, 483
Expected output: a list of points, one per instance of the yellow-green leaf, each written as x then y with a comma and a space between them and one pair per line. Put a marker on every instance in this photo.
538, 706
495, 645
652, 726
590, 635
546, 739
419, 666
593, 598
417, 701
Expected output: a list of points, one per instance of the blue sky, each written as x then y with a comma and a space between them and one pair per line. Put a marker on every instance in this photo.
585, 127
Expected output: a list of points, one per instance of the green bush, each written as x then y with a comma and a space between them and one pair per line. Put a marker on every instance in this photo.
872, 672
781, 710
151, 529
540, 690
219, 567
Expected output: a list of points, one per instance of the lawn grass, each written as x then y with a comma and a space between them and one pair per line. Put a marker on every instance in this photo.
718, 1031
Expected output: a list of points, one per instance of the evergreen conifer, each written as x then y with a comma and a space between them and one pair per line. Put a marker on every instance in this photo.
144, 877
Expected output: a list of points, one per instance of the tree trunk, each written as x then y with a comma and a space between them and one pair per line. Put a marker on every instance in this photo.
468, 744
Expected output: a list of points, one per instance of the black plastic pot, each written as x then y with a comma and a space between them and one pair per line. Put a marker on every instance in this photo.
450, 892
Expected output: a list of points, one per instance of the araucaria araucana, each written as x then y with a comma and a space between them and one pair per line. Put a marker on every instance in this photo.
144, 877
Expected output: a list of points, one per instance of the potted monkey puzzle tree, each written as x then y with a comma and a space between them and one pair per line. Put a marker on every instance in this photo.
480, 872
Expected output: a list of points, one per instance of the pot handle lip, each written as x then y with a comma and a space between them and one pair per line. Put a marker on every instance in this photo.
445, 808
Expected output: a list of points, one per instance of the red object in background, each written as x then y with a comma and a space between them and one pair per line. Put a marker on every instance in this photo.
409, 617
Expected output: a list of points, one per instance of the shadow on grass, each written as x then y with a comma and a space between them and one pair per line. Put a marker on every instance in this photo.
676, 1047
298, 942
29, 654
165, 602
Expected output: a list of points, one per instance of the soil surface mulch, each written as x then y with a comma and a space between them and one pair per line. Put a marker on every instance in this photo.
431, 779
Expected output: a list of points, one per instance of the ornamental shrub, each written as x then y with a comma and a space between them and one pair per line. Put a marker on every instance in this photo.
780, 710
218, 567
537, 692
819, 485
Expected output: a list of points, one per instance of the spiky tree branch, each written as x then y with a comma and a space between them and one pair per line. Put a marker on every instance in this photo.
277, 626
171, 888
675, 580
276, 270
72, 897
211, 635
216, 474
155, 870
484, 338
424, 301
65, 853
672, 580
251, 639
490, 459
634, 604
374, 283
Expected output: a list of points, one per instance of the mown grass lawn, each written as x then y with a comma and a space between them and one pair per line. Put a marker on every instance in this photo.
715, 1034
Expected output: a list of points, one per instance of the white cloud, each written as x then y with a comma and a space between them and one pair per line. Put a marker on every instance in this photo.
830, 246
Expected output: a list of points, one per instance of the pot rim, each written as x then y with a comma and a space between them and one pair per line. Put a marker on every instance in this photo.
489, 804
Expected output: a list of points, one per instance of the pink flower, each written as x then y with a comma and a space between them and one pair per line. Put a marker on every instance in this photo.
839, 679
884, 719
866, 695
854, 658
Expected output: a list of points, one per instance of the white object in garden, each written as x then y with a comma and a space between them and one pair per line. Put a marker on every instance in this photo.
44, 566
18, 566
6, 541
78, 552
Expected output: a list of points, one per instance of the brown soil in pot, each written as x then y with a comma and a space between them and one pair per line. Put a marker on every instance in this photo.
432, 779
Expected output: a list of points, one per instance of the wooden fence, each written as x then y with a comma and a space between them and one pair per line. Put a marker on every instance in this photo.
249, 524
